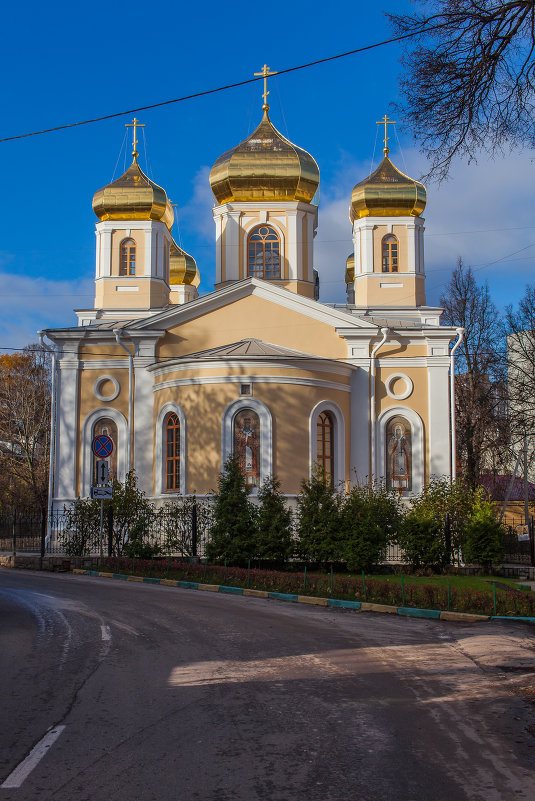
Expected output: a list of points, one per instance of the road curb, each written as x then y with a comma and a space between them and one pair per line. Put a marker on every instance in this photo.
358, 606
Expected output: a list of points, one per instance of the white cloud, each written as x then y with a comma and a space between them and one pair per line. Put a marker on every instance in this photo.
29, 304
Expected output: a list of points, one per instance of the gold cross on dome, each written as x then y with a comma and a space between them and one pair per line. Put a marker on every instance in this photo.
135, 124
386, 122
265, 73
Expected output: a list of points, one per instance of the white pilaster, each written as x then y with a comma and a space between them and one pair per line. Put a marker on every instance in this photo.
105, 253
143, 424
66, 438
359, 468
412, 233
232, 245
149, 239
438, 428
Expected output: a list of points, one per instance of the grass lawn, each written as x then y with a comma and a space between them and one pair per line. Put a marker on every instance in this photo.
482, 583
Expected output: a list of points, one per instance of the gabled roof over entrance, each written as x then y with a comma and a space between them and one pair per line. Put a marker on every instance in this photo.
227, 295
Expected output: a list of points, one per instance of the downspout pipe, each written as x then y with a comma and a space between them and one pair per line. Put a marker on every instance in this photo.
460, 337
130, 447
385, 332
53, 428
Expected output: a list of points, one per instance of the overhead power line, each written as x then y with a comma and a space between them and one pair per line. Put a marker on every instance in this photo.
222, 88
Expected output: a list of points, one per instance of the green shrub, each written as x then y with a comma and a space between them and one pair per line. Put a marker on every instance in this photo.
82, 527
274, 539
133, 518
233, 533
319, 522
369, 520
421, 538
483, 541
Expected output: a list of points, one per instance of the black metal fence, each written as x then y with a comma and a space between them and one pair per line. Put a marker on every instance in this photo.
180, 532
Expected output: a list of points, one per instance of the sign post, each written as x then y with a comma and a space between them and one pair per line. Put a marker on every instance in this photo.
103, 449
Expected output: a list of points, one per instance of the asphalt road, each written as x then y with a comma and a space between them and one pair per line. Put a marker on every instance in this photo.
144, 692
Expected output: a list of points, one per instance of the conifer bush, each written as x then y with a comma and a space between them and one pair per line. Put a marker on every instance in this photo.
319, 522
369, 519
274, 536
233, 533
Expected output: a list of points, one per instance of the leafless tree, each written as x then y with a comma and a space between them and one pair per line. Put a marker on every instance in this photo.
24, 427
520, 329
468, 77
480, 382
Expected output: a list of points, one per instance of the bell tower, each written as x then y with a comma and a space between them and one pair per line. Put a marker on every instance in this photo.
388, 237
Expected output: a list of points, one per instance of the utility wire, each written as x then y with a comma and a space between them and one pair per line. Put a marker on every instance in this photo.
225, 87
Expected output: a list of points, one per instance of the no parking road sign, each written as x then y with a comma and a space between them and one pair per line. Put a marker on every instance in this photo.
102, 446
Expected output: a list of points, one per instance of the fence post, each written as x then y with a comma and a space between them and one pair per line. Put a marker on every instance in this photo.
109, 521
43, 537
447, 537
531, 541
14, 535
194, 530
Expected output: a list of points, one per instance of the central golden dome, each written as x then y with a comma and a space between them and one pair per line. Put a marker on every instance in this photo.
387, 192
133, 196
265, 166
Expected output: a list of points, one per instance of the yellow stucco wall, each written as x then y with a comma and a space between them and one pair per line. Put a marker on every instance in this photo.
290, 407
253, 317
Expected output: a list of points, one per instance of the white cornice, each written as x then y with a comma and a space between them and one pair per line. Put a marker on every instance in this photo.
252, 379
319, 366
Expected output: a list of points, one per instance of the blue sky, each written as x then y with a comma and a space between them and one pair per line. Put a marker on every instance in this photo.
65, 63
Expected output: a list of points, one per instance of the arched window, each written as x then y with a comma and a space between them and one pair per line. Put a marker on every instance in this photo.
246, 444
399, 454
325, 449
390, 254
263, 253
172, 452
107, 427
127, 264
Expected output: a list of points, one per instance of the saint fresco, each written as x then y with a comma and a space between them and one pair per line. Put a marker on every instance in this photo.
247, 445
398, 455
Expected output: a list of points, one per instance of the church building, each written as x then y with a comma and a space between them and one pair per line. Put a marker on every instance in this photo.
260, 366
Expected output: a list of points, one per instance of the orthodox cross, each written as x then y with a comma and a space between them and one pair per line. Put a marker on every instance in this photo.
265, 73
386, 122
135, 124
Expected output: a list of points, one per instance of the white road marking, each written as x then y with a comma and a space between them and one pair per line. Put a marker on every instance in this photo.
23, 770
106, 633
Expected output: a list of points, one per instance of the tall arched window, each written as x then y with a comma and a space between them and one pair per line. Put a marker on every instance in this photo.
247, 445
263, 253
390, 254
127, 264
107, 427
172, 452
399, 454
325, 450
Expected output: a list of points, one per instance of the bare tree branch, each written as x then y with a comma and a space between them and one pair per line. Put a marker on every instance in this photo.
467, 84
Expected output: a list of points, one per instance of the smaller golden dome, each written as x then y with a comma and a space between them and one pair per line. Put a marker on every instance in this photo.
387, 192
133, 196
350, 268
265, 166
182, 267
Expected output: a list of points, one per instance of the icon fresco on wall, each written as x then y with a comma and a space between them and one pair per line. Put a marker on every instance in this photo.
399, 455
247, 445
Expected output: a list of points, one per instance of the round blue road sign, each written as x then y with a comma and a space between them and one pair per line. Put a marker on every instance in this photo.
102, 446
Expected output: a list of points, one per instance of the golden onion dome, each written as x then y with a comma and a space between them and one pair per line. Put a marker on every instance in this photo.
350, 268
265, 166
387, 192
133, 196
182, 267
